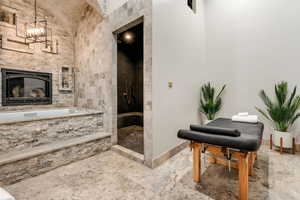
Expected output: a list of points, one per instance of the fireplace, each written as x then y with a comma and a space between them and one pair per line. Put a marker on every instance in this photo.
26, 88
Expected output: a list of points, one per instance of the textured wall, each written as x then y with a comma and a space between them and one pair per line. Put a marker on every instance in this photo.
113, 5
23, 135
93, 57
38, 60
16, 171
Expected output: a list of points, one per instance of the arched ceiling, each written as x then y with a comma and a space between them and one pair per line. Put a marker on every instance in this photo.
68, 12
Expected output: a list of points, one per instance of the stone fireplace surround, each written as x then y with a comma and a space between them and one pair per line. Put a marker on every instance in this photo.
59, 98
38, 59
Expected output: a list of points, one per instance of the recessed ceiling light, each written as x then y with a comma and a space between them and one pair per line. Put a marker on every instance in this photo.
128, 37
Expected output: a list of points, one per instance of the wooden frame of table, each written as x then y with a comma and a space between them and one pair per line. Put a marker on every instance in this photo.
245, 162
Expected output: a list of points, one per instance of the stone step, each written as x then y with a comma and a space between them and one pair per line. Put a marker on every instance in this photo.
20, 165
17, 135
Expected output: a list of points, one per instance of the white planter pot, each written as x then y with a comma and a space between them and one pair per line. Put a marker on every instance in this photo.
287, 139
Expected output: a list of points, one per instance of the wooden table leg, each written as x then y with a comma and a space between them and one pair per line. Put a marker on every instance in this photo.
243, 176
271, 141
281, 145
197, 162
251, 163
294, 146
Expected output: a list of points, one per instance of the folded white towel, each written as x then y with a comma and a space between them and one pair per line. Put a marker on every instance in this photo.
243, 114
249, 118
5, 195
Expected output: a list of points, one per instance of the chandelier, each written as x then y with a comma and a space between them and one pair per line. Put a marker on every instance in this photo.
38, 30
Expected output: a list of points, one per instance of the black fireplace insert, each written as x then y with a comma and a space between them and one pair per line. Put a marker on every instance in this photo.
26, 88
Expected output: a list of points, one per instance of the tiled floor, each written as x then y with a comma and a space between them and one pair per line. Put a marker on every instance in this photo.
110, 176
132, 137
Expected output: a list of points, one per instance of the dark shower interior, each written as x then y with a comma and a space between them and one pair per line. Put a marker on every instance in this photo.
130, 89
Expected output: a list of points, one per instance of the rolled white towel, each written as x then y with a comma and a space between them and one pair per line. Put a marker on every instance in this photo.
243, 114
5, 195
248, 119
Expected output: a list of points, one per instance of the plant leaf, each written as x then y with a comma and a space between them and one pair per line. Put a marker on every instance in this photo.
295, 118
220, 93
292, 96
209, 105
263, 113
265, 99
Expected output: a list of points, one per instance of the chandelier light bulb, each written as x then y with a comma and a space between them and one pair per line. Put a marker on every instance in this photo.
35, 32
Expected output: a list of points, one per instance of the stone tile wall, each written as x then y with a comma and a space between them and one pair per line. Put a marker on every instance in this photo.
23, 135
39, 60
93, 61
16, 171
96, 63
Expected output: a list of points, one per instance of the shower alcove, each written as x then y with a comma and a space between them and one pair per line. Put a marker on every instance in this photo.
130, 92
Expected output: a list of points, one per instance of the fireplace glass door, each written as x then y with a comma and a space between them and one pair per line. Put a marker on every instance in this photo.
25, 88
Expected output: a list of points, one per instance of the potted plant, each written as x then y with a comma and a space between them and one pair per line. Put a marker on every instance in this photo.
282, 113
210, 103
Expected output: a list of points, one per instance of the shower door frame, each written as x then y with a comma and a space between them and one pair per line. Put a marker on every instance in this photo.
147, 85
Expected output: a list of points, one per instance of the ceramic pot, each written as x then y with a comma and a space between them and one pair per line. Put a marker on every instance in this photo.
287, 139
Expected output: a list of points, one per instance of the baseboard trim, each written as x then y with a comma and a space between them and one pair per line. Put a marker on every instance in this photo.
128, 153
169, 154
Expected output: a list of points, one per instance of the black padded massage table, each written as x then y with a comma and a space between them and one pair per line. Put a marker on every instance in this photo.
239, 142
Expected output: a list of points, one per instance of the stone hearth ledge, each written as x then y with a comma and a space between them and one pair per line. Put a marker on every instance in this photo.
86, 113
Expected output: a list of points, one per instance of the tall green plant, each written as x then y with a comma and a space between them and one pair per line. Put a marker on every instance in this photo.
210, 103
283, 111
